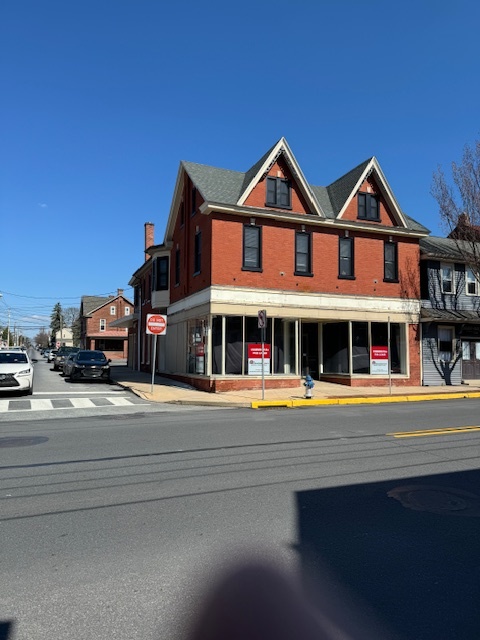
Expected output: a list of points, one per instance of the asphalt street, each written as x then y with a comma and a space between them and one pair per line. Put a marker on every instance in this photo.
112, 526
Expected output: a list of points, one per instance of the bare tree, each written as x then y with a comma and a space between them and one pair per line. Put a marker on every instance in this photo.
42, 338
459, 204
70, 316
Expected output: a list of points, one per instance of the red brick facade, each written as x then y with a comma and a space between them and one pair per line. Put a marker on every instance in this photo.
96, 330
220, 224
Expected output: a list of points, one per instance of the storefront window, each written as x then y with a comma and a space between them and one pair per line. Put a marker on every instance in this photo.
253, 335
360, 348
233, 346
335, 347
196, 357
284, 346
217, 344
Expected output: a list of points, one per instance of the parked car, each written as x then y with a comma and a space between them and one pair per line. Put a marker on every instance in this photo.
16, 371
51, 355
60, 356
90, 365
67, 364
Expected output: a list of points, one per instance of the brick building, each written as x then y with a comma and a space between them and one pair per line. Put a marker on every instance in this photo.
96, 317
336, 268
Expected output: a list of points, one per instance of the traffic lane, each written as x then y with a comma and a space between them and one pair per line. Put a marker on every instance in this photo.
158, 428
406, 550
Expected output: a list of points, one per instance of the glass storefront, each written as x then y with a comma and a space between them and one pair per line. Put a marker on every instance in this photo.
365, 335
344, 347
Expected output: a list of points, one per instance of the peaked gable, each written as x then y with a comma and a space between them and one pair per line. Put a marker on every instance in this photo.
263, 168
369, 177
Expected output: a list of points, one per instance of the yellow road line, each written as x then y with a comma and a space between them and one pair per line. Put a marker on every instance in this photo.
433, 432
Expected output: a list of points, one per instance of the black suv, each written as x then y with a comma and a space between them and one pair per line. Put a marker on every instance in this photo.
60, 356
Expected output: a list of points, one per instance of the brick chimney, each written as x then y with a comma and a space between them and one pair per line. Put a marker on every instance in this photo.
119, 292
149, 237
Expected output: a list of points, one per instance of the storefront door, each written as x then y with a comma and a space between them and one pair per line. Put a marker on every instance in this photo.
310, 349
471, 359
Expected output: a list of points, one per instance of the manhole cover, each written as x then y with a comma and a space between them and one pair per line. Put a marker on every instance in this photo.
22, 441
434, 499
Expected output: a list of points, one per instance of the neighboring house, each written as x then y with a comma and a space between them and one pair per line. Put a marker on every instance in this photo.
64, 337
450, 314
97, 315
336, 268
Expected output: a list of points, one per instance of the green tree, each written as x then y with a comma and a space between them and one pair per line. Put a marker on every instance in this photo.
57, 321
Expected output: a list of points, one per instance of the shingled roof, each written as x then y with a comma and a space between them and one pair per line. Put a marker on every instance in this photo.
90, 303
442, 248
225, 187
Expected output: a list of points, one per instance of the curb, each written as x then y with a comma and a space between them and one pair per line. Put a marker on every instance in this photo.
265, 404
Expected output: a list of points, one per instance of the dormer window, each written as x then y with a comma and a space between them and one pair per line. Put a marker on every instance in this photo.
368, 208
278, 193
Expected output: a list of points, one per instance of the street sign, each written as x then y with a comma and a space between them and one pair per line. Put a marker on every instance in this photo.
156, 324
262, 319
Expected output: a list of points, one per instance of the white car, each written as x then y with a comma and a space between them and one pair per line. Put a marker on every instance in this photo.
16, 371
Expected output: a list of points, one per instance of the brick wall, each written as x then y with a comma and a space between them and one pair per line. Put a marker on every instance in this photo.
184, 239
278, 260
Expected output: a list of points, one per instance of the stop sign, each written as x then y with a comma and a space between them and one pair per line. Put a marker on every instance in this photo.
156, 324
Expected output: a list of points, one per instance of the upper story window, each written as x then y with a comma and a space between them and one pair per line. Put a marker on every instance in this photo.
113, 310
160, 274
252, 248
197, 262
346, 258
137, 294
471, 282
368, 208
127, 311
303, 253
390, 261
447, 279
278, 193
103, 324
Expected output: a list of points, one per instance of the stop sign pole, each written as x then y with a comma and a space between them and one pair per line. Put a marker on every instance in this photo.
156, 326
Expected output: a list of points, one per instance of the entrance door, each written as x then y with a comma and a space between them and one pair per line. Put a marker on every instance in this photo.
310, 349
470, 360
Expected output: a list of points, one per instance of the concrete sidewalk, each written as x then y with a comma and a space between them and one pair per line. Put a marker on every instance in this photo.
324, 393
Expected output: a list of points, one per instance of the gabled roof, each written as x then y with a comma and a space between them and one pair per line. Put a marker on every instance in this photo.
224, 187
255, 174
353, 181
342, 189
89, 304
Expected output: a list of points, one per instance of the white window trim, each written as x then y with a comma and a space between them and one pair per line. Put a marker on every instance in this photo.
452, 267
113, 310
103, 324
127, 311
473, 278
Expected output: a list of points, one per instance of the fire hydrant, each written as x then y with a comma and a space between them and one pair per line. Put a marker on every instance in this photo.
308, 384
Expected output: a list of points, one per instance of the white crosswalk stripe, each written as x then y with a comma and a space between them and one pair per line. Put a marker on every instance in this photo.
55, 404
120, 402
81, 403
38, 404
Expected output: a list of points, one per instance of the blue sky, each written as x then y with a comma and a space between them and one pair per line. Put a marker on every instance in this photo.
102, 100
